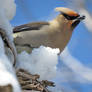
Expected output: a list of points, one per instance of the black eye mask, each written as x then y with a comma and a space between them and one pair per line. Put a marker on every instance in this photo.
69, 17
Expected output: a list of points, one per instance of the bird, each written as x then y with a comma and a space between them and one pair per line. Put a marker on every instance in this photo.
55, 33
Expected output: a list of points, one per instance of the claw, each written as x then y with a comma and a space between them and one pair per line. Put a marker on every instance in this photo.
8, 43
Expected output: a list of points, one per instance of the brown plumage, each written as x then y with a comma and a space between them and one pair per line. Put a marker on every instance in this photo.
55, 33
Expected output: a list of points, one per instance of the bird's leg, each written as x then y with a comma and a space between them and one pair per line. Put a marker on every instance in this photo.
8, 43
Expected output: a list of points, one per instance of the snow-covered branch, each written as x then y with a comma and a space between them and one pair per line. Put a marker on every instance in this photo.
7, 73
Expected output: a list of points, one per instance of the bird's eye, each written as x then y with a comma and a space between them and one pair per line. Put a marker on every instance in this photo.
69, 17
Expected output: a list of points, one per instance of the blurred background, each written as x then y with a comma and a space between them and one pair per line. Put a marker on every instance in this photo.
80, 45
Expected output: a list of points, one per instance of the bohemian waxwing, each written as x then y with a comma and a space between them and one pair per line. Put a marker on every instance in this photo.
55, 33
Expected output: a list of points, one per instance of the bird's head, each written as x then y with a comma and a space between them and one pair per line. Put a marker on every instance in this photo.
69, 17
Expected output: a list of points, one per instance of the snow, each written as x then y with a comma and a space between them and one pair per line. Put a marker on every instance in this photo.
9, 7
7, 73
7, 12
42, 61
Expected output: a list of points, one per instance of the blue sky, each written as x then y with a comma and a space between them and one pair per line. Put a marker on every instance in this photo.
33, 10
80, 45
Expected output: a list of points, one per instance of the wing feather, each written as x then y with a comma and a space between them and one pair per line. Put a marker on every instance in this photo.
29, 27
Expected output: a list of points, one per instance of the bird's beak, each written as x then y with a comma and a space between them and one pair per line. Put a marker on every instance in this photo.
77, 21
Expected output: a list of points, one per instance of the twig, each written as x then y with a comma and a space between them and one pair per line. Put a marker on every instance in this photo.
31, 82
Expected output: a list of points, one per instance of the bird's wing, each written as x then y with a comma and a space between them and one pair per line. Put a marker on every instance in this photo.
29, 26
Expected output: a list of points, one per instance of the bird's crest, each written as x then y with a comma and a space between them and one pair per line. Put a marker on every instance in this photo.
67, 11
